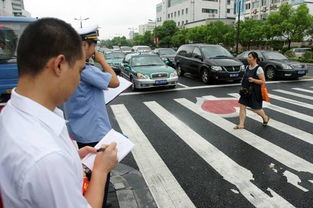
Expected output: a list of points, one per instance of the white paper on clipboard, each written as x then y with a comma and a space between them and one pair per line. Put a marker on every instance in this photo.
123, 145
112, 93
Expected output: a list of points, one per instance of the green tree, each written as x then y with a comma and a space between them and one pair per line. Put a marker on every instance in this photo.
290, 23
165, 32
218, 32
251, 32
179, 38
197, 34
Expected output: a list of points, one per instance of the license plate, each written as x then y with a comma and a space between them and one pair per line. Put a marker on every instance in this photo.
233, 75
160, 82
301, 72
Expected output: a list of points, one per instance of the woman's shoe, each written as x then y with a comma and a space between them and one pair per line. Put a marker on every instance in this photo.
238, 127
266, 122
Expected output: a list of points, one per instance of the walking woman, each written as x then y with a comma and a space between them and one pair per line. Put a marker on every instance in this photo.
250, 94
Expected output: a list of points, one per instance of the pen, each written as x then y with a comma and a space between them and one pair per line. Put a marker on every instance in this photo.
102, 149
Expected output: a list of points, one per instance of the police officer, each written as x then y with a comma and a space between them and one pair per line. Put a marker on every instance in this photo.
86, 112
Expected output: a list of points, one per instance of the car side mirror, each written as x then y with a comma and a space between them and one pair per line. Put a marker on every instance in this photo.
261, 59
198, 57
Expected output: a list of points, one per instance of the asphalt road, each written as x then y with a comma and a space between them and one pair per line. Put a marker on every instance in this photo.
215, 166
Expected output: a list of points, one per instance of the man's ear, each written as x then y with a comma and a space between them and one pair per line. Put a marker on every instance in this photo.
58, 65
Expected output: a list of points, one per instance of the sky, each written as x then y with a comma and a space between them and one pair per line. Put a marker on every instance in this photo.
114, 17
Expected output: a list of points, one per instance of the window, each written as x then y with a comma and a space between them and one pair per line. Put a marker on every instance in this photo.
255, 4
275, 1
182, 23
174, 14
168, 16
210, 11
248, 6
171, 15
186, 21
178, 13
178, 23
228, 2
196, 53
182, 12
228, 11
264, 2
186, 10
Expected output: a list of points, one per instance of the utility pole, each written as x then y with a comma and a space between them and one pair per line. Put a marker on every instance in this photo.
81, 21
238, 27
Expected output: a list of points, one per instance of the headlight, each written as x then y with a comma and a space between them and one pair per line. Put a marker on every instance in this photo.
242, 68
216, 68
174, 74
142, 76
164, 59
286, 66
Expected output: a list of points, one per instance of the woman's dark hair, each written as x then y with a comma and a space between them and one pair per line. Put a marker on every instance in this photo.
44, 39
255, 56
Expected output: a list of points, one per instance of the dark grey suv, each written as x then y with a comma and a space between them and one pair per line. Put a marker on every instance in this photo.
211, 62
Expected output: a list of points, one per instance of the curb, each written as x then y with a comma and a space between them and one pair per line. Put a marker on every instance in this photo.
131, 188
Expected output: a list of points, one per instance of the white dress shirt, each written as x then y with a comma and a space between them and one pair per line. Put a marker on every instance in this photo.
40, 166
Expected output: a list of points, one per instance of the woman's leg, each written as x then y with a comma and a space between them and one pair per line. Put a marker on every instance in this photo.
262, 114
242, 117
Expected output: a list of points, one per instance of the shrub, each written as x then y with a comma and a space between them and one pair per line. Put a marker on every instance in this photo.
308, 55
290, 54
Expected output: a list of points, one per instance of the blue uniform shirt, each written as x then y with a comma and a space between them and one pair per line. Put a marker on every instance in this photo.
86, 111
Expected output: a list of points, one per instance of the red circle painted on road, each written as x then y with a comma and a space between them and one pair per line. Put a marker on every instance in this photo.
220, 106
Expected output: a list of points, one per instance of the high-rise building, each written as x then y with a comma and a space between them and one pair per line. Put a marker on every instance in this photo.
195, 12
13, 8
260, 9
146, 27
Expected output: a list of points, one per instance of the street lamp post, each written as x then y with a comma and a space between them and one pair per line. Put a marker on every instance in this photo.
81, 21
238, 27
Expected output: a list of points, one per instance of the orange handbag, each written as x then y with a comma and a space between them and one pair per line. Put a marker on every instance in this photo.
265, 94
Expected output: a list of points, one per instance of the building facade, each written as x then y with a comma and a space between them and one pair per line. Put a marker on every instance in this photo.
146, 27
185, 12
13, 8
260, 9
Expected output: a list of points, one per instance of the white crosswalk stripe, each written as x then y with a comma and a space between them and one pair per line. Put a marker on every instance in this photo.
291, 101
285, 111
303, 90
272, 150
294, 94
167, 191
162, 184
230, 170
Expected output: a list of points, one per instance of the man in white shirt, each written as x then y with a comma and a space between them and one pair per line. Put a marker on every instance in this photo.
40, 167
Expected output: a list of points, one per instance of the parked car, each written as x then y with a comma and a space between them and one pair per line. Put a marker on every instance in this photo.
11, 28
167, 55
141, 49
148, 71
115, 59
116, 48
126, 49
299, 52
276, 65
211, 62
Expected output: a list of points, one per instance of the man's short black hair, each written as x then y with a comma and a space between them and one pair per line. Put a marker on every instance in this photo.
44, 39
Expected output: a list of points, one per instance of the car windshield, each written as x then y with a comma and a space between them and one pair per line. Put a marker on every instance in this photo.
215, 52
114, 55
144, 48
10, 32
126, 48
147, 61
274, 55
167, 51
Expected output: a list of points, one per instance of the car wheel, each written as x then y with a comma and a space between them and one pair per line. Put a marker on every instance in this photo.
179, 70
205, 76
270, 73
133, 85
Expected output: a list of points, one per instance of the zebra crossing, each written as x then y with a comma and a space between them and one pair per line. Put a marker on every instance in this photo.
248, 168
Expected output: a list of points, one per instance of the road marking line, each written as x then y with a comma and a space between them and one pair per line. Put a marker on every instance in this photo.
297, 133
303, 90
272, 150
294, 179
294, 94
182, 85
225, 166
294, 102
165, 189
206, 87
282, 110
